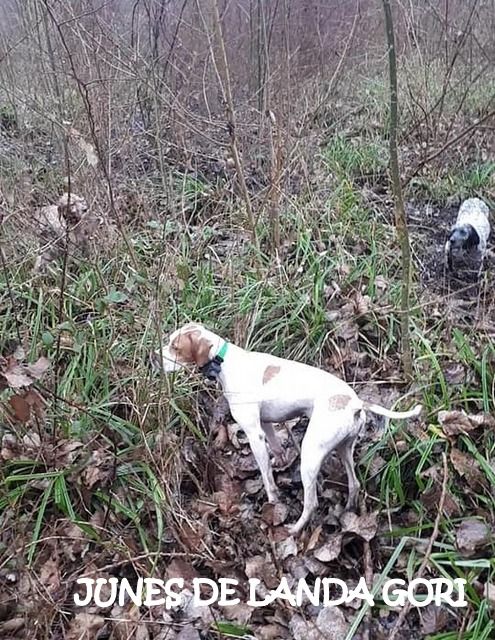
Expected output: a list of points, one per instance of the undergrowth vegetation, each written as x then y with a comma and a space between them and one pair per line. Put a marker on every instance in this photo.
108, 469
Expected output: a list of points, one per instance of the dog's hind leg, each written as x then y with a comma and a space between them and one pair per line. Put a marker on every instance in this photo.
346, 454
320, 440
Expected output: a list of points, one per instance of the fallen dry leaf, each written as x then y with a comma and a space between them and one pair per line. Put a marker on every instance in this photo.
22, 410
129, 626
50, 575
433, 619
84, 626
225, 502
262, 568
347, 330
454, 373
467, 466
381, 283
364, 526
245, 466
86, 147
483, 420
472, 536
489, 593
361, 303
314, 538
32, 441
11, 449
180, 568
239, 613
99, 470
295, 566
275, 514
455, 422
330, 625
271, 632
286, 548
75, 542
188, 633
191, 611
11, 626
431, 497
331, 549
67, 451
16, 375
227, 495
253, 485
38, 368
193, 535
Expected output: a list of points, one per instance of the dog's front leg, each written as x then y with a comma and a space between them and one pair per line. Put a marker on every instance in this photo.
257, 442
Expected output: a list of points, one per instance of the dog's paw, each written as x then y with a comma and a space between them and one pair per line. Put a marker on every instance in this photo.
295, 529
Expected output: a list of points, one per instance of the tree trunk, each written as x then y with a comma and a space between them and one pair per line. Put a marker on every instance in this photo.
400, 214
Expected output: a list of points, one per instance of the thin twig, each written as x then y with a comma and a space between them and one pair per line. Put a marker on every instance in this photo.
225, 82
448, 144
368, 574
83, 92
10, 293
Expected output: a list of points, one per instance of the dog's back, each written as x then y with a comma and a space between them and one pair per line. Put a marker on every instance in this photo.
468, 239
474, 211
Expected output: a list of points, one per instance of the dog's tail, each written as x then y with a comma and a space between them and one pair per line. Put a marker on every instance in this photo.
399, 415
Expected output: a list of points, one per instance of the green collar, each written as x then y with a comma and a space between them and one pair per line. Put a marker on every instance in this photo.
211, 369
223, 351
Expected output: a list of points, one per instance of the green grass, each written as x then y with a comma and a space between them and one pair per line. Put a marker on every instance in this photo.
113, 314
477, 179
352, 158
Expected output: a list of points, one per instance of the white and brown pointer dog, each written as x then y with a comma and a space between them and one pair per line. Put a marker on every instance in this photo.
262, 389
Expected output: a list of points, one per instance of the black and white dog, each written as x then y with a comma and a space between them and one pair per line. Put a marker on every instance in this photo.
468, 238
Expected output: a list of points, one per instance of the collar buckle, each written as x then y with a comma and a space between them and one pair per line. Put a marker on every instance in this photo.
211, 369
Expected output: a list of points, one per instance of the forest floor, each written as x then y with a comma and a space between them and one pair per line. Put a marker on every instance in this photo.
110, 471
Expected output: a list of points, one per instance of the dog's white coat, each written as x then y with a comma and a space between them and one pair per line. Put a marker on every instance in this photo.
473, 212
294, 390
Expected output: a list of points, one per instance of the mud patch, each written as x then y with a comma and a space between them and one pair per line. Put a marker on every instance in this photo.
429, 226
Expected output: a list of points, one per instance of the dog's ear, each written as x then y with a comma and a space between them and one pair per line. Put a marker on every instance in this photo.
473, 239
200, 348
192, 348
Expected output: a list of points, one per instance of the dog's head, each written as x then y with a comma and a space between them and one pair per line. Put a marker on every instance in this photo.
72, 208
463, 239
191, 345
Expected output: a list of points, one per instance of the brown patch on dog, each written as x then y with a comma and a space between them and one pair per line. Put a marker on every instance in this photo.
191, 348
338, 401
269, 373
